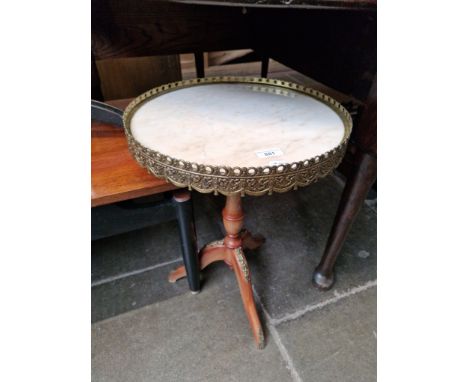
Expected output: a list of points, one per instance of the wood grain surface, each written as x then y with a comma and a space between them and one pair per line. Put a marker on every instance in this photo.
336, 47
125, 28
129, 77
115, 175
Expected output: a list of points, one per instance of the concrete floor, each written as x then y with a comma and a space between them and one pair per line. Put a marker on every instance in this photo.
145, 329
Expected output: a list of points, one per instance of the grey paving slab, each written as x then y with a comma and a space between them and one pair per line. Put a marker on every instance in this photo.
205, 337
133, 292
136, 291
128, 270
147, 247
296, 226
337, 342
134, 250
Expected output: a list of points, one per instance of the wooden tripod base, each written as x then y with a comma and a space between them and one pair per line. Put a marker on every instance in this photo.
231, 251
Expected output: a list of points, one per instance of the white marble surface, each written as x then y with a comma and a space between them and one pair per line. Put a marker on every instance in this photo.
227, 124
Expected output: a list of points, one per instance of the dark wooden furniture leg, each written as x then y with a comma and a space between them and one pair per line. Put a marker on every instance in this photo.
230, 250
96, 92
199, 64
355, 192
265, 62
353, 197
188, 237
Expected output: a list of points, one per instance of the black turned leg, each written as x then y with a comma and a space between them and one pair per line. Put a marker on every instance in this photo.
353, 197
188, 237
199, 64
265, 61
96, 92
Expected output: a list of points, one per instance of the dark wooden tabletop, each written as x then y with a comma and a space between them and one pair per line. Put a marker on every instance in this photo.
324, 4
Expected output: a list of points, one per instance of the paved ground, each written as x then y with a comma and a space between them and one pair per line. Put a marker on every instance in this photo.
145, 329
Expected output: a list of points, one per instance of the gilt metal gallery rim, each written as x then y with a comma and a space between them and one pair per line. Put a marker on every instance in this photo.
228, 180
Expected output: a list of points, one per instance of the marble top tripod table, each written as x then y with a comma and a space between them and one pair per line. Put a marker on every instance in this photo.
236, 136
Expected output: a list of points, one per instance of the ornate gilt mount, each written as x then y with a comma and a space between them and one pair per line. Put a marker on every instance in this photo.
242, 263
237, 180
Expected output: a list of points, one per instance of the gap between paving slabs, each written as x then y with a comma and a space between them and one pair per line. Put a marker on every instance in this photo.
271, 324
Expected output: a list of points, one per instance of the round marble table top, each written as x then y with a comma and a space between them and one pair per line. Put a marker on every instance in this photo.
253, 126
237, 125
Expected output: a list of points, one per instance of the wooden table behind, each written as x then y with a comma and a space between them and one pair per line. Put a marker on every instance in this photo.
332, 41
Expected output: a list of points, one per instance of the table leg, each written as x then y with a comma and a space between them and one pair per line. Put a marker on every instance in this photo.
241, 270
264, 68
251, 242
215, 251
199, 64
188, 237
230, 250
353, 197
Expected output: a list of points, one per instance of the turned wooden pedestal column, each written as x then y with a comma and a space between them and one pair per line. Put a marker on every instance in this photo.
231, 251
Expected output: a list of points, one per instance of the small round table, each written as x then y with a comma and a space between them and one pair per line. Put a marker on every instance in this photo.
236, 136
